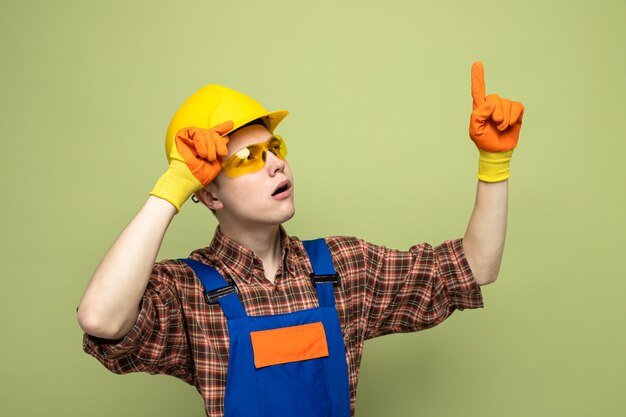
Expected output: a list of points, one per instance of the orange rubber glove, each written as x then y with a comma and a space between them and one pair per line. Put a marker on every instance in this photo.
494, 127
194, 162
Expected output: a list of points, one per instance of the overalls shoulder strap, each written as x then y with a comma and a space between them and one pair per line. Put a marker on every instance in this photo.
324, 277
216, 289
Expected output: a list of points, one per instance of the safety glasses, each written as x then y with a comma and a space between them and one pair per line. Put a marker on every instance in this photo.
252, 158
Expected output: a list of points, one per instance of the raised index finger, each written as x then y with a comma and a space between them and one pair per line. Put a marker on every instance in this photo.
478, 84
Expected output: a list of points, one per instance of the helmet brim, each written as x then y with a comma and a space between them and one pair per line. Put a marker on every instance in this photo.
270, 119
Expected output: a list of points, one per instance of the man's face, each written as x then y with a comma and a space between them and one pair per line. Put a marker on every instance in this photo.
263, 197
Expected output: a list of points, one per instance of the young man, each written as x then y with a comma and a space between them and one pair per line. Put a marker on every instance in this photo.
276, 327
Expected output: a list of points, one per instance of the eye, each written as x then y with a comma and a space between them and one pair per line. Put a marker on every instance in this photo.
274, 146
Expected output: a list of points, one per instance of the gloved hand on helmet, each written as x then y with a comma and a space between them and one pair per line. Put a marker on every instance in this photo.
194, 162
494, 127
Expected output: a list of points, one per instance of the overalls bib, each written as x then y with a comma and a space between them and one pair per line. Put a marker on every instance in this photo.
286, 365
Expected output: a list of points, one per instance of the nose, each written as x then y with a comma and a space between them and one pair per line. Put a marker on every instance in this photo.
274, 164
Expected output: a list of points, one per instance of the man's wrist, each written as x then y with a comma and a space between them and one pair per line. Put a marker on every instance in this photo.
176, 185
494, 166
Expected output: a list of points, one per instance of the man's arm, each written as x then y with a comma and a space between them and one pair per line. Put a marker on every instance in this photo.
110, 305
494, 127
483, 242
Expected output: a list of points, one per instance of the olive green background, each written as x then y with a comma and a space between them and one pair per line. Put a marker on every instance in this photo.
379, 94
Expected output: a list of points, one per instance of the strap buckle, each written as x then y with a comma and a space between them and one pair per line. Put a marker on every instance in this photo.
325, 279
212, 297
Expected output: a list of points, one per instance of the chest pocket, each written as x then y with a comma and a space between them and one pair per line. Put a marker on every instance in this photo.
289, 344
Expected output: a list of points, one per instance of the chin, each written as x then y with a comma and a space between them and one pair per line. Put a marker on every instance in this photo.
293, 213
283, 217
282, 214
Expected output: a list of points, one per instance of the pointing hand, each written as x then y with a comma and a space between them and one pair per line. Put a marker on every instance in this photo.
494, 127
495, 122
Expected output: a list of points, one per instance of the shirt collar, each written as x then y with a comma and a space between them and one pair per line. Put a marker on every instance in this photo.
240, 260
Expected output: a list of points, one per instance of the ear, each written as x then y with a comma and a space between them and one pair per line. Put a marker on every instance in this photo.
208, 197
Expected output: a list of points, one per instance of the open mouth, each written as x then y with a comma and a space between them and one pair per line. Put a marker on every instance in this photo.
282, 187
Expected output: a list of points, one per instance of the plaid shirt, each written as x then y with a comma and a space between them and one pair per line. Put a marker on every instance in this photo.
382, 291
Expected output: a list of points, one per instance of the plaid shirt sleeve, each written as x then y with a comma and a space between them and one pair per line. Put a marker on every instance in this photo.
393, 291
157, 343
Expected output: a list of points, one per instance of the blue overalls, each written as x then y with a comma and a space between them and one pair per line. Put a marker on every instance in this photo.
305, 377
